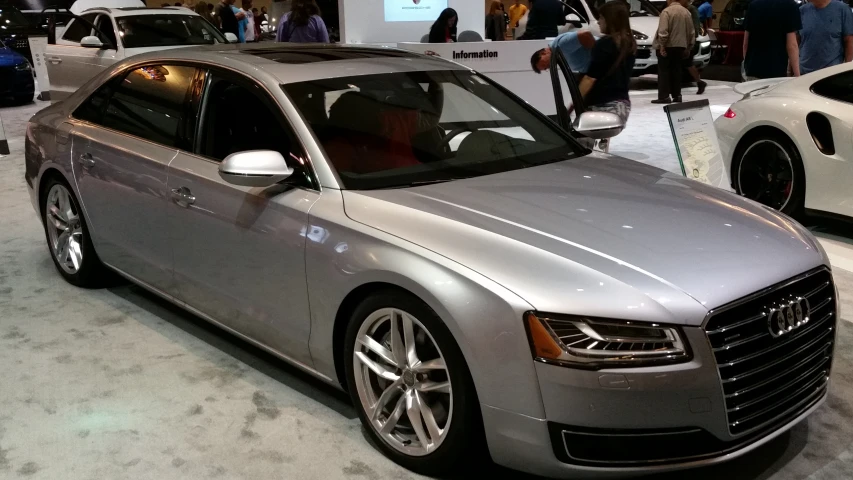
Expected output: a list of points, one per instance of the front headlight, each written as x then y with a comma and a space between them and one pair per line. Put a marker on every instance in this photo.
596, 343
23, 67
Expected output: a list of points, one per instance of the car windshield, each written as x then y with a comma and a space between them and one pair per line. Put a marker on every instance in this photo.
407, 129
167, 30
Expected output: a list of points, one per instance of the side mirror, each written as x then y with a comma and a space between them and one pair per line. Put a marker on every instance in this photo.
599, 125
254, 168
91, 41
231, 38
571, 18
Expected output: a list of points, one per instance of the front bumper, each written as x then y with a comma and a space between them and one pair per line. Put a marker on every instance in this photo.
739, 391
647, 61
16, 83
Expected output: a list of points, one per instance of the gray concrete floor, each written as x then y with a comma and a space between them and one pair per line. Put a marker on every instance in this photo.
116, 384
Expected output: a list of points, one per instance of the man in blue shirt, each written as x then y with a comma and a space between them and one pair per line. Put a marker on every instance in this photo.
575, 46
827, 35
706, 14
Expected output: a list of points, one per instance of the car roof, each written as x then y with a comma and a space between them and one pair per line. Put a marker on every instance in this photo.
291, 63
136, 11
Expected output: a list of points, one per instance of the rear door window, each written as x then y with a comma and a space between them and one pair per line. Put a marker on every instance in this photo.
154, 103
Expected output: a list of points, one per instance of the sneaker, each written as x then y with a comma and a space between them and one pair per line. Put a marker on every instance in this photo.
702, 85
662, 101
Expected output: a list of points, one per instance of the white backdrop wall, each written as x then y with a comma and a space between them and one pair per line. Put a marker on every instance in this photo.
363, 21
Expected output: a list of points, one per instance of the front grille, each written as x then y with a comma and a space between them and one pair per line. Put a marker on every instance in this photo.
643, 53
769, 380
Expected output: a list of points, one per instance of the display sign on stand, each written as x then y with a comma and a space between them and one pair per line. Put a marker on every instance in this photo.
38, 44
696, 143
4, 144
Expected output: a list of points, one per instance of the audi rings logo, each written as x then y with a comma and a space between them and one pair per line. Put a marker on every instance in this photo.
788, 316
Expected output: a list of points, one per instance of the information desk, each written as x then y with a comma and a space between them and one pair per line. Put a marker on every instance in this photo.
507, 63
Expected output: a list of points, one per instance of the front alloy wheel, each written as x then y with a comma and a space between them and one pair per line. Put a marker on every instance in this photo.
402, 382
411, 385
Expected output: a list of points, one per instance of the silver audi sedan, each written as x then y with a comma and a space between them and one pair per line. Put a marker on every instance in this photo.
405, 229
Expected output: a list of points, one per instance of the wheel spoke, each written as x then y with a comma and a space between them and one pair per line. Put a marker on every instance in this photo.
379, 370
435, 364
64, 203
75, 253
429, 418
409, 339
61, 241
398, 348
57, 219
377, 348
62, 255
386, 397
389, 424
441, 387
413, 409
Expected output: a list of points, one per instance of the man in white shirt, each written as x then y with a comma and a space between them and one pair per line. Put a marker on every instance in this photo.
250, 25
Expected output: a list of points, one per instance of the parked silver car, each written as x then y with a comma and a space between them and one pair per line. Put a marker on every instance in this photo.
406, 229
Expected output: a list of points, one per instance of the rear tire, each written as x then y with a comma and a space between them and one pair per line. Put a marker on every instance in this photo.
68, 238
423, 368
767, 168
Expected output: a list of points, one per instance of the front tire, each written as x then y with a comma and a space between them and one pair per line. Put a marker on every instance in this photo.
767, 168
411, 386
68, 236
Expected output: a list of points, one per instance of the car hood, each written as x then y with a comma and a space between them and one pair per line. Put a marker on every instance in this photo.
10, 57
646, 25
599, 235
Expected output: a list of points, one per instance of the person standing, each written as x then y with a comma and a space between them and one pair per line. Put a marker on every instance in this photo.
673, 42
706, 14
576, 47
444, 28
688, 64
544, 20
770, 39
605, 86
516, 11
203, 11
495, 23
242, 21
227, 18
827, 35
249, 31
303, 24
258, 20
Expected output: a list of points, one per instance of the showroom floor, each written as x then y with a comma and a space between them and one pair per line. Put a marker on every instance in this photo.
115, 383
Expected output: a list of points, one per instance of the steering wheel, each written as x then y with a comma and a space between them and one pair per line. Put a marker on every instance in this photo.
451, 135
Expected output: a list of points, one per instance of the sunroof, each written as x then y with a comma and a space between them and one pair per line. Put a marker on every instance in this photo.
295, 55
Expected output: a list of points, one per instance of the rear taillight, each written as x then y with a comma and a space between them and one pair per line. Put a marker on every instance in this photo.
730, 113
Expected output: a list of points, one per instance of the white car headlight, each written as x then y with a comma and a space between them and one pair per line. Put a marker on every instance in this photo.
597, 343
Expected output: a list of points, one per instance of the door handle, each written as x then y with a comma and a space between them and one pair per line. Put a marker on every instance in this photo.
86, 160
182, 196
54, 60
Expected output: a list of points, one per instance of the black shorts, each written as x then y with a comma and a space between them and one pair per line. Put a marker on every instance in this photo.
688, 62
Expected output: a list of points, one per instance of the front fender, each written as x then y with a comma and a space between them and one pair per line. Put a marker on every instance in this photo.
485, 319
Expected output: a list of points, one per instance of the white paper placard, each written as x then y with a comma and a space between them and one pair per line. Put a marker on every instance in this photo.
696, 143
37, 46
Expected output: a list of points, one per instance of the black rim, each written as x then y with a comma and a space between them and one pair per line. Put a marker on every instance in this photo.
766, 174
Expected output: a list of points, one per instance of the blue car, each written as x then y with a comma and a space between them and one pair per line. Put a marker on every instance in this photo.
16, 76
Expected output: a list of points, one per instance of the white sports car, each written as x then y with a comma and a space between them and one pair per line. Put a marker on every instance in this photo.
787, 143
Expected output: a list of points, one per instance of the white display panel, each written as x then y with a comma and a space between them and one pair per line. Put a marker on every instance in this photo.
413, 10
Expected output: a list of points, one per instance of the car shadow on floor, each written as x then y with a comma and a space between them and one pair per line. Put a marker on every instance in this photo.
760, 464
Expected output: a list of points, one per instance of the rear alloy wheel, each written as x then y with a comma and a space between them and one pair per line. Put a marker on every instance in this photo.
68, 237
769, 170
410, 385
